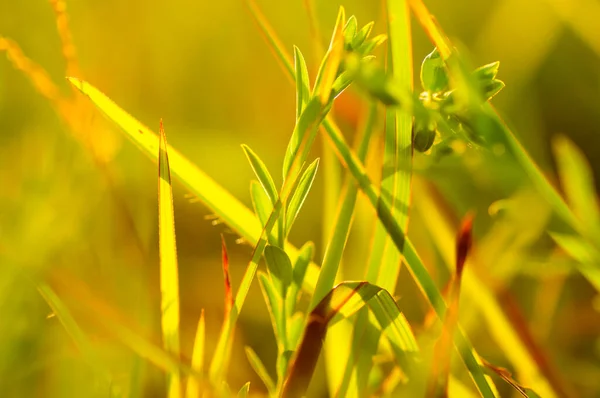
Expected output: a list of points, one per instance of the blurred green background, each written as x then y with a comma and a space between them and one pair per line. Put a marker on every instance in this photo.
87, 224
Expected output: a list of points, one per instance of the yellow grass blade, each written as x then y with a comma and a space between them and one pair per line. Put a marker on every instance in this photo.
169, 279
193, 386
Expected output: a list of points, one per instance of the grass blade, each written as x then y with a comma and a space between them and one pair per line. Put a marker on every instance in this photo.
443, 350
169, 278
301, 193
226, 278
260, 369
193, 386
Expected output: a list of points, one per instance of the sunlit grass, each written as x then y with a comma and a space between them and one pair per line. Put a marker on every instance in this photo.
372, 343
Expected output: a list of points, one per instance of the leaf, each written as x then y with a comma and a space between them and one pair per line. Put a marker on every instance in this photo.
296, 323
262, 173
343, 301
169, 279
273, 299
434, 77
193, 386
329, 67
507, 377
305, 255
305, 125
280, 268
301, 193
243, 393
260, 202
260, 369
368, 46
237, 216
350, 31
578, 185
362, 35
487, 72
302, 82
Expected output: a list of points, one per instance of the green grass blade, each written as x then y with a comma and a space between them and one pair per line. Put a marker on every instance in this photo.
260, 369
400, 135
72, 328
341, 302
262, 173
301, 193
302, 82
169, 278
578, 184
193, 385
238, 217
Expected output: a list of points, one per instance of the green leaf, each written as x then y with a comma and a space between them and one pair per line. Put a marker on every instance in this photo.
193, 385
260, 201
423, 135
260, 369
305, 255
343, 301
487, 72
301, 193
296, 323
261, 172
302, 82
169, 278
492, 88
273, 300
350, 32
243, 393
362, 35
434, 77
306, 124
370, 45
578, 185
329, 66
280, 268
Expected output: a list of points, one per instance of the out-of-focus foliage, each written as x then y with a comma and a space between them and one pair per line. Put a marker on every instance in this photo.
78, 205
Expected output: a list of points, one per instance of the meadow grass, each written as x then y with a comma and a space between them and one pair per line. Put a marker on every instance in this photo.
369, 346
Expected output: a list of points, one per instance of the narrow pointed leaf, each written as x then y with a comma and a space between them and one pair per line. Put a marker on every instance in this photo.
273, 300
305, 124
301, 193
262, 173
331, 62
302, 82
304, 258
350, 31
193, 386
362, 35
243, 393
169, 278
226, 278
260, 369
